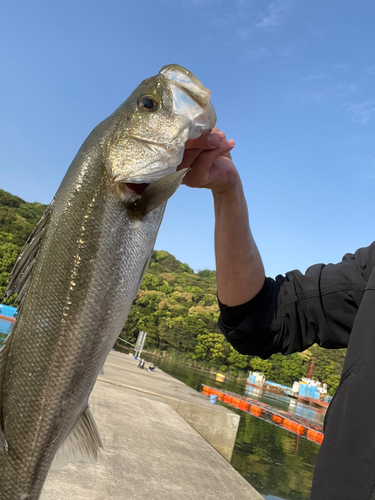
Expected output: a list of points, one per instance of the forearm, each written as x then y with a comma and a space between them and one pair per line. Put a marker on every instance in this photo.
239, 268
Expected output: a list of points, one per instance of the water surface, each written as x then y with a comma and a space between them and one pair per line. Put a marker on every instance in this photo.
276, 462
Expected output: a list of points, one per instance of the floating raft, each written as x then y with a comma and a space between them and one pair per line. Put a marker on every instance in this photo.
300, 426
10, 319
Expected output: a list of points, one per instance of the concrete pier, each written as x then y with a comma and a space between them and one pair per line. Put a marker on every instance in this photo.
152, 426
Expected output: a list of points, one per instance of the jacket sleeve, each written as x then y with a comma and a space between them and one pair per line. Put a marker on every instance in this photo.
294, 311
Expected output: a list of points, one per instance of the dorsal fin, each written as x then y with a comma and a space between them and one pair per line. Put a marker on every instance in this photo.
21, 271
82, 444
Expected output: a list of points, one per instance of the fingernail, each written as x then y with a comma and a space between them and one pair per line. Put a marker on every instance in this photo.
213, 140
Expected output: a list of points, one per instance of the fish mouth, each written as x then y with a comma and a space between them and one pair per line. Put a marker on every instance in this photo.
137, 188
190, 99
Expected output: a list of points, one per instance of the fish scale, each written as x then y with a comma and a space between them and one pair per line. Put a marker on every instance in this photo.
97, 240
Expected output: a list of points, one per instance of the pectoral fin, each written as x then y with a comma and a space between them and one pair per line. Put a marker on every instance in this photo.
157, 193
82, 444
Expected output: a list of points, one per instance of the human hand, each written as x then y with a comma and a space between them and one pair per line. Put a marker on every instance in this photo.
210, 162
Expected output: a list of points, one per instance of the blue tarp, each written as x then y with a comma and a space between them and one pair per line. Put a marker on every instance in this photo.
6, 325
7, 310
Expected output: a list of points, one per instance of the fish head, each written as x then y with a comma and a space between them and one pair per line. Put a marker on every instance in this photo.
152, 126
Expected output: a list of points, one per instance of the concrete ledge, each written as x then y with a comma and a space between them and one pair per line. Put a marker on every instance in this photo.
217, 428
150, 451
215, 423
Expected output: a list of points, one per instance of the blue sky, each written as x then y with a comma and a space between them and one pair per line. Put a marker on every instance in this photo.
293, 83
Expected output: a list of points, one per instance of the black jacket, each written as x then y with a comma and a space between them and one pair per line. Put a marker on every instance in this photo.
334, 306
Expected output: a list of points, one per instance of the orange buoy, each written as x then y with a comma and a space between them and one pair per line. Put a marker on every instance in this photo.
255, 410
319, 438
300, 429
287, 424
293, 426
277, 419
311, 435
245, 406
227, 399
236, 402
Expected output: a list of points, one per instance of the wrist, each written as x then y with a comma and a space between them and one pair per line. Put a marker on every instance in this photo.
233, 191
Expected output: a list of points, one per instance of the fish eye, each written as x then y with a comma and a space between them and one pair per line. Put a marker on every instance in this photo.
147, 103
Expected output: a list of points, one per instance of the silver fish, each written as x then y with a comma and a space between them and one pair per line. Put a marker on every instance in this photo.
80, 271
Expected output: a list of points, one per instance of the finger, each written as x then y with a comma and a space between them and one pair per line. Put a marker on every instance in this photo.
219, 132
206, 141
191, 155
189, 158
204, 160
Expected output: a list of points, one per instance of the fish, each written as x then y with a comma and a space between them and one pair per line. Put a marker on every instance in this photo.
80, 271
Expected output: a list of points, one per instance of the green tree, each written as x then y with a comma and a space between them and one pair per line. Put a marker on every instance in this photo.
237, 360
212, 347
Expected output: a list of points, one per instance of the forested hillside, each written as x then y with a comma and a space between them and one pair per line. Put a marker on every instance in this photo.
176, 307
17, 220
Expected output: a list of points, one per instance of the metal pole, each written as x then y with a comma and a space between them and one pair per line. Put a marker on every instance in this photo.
140, 342
119, 338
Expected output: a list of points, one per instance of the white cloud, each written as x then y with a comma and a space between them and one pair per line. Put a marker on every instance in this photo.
243, 22
329, 94
252, 54
312, 77
244, 9
341, 66
363, 112
223, 22
275, 12
244, 33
